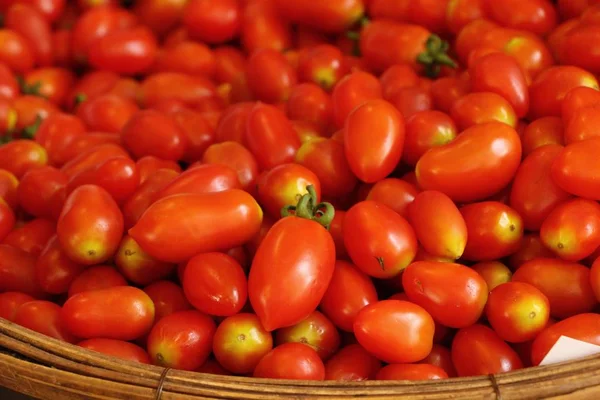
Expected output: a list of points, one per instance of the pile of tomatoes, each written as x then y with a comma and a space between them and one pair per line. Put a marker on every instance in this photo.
324, 189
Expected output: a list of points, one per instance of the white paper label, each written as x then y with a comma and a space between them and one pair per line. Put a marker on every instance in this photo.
567, 349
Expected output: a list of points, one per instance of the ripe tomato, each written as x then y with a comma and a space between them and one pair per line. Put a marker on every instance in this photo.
493, 272
149, 165
215, 284
481, 107
410, 372
425, 130
382, 250
350, 92
117, 348
97, 277
17, 52
542, 131
90, 315
453, 294
175, 86
438, 224
212, 222
322, 64
20, 156
32, 236
90, 225
537, 16
531, 247
182, 340
43, 317
54, 271
212, 22
395, 193
574, 169
489, 154
167, 297
584, 327
262, 27
203, 178
352, 363
35, 29
376, 327
478, 350
291, 361
235, 156
323, 15
137, 266
107, 113
7, 219
17, 271
9, 185
10, 303
566, 285
441, 357
315, 331
270, 76
310, 103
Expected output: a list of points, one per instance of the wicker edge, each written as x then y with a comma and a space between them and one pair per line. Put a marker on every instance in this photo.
46, 368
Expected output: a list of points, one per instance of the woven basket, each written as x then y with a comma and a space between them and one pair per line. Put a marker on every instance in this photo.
48, 369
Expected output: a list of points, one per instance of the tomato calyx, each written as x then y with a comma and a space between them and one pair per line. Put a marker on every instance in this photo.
30, 131
80, 98
308, 208
435, 55
32, 89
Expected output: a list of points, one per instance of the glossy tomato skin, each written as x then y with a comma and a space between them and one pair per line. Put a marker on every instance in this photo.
291, 361
566, 285
270, 76
270, 136
32, 236
376, 327
7, 219
307, 267
373, 159
207, 178
352, 363
117, 348
54, 271
31, 24
9, 185
310, 103
494, 230
395, 193
383, 250
89, 315
176, 86
424, 130
542, 131
575, 168
233, 216
16, 53
97, 277
322, 15
107, 112
263, 27
316, 331
56, 132
531, 247
322, 64
494, 273
411, 372
212, 22
480, 107
137, 266
453, 294
43, 317
478, 350
584, 327
489, 154
149, 165
351, 91
215, 284
19, 156
572, 229
168, 297
237, 157
441, 357
10, 303
92, 157
17, 271
438, 224
90, 237
182, 340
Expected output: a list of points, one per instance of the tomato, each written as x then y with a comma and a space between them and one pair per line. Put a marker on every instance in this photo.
198, 132
460, 12
10, 303
584, 327
203, 178
42, 192
323, 65
531, 247
489, 154
481, 107
54, 271
478, 350
447, 90
97, 277
137, 266
270, 76
291, 361
35, 29
537, 16
90, 315
307, 267
240, 342
375, 156
17, 52
411, 372
440, 357
51, 10
453, 294
542, 131
566, 285
212, 222
578, 125
32, 236
494, 230
210, 22
309, 103
270, 136
17, 271
149, 165
43, 317
315, 331
395, 193
160, 16
574, 168
322, 15
425, 130
443, 239
263, 27
7, 219
176, 86
578, 98
182, 340
571, 230
550, 87
117, 348
377, 324
350, 92
20, 156
352, 363
107, 113
494, 273
167, 297
237, 157
56, 133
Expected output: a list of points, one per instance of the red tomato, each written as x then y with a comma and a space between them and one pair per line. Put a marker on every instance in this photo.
411, 372
97, 277
92, 158
32, 236
537, 16
376, 327
584, 327
148, 166
117, 348
291, 361
56, 132
460, 12
309, 103
215, 284
382, 250
43, 317
137, 266
54, 271
9, 185
315, 331
352, 363
270, 76
453, 294
323, 15
441, 357
446, 91
572, 229
107, 112
240, 342
35, 29
182, 340
167, 297
90, 225
90, 315
488, 153
213, 221
438, 224
176, 86
478, 350
10, 303
595, 277
203, 178
575, 169
412, 100
211, 22
493, 272
17, 53
350, 92
322, 64
7, 219
42, 192
237, 157
542, 131
566, 285
481, 107
374, 156
425, 130
263, 27
531, 247
17, 271
159, 15
20, 156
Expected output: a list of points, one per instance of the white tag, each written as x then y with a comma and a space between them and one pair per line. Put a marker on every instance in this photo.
567, 349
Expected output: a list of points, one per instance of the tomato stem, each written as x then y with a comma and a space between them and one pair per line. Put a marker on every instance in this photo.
30, 131
435, 55
308, 208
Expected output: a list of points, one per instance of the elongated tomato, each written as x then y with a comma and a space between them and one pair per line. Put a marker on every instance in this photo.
576, 169
178, 227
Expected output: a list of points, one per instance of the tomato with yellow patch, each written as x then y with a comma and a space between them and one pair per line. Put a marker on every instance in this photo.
494, 273
316, 331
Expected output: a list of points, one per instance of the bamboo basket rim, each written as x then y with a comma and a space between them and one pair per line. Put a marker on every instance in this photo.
27, 356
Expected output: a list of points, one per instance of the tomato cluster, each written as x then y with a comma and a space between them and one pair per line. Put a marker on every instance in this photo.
325, 189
